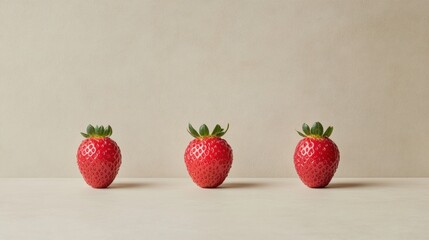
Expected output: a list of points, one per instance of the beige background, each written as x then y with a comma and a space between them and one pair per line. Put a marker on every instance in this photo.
150, 67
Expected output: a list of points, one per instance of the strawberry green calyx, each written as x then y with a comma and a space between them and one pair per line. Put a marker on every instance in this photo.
97, 131
316, 131
204, 132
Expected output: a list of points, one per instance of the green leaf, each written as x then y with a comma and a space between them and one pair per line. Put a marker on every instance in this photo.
97, 130
192, 131
101, 131
204, 130
226, 130
220, 134
301, 134
84, 135
222, 131
317, 129
90, 130
328, 131
313, 129
216, 130
109, 131
306, 129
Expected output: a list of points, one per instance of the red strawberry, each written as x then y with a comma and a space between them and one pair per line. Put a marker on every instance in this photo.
316, 156
208, 157
98, 157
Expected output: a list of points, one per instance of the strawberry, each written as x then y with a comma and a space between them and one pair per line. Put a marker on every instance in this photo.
98, 157
316, 156
208, 157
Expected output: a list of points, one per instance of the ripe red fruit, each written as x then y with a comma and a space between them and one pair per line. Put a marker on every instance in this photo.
98, 157
316, 156
208, 157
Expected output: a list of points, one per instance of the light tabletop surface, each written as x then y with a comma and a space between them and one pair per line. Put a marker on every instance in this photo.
257, 208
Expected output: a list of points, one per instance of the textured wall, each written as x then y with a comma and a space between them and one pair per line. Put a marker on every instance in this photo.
149, 67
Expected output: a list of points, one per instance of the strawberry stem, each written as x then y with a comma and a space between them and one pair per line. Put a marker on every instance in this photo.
97, 131
315, 131
204, 131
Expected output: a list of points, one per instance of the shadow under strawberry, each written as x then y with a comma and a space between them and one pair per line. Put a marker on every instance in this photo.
356, 185
243, 185
129, 185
